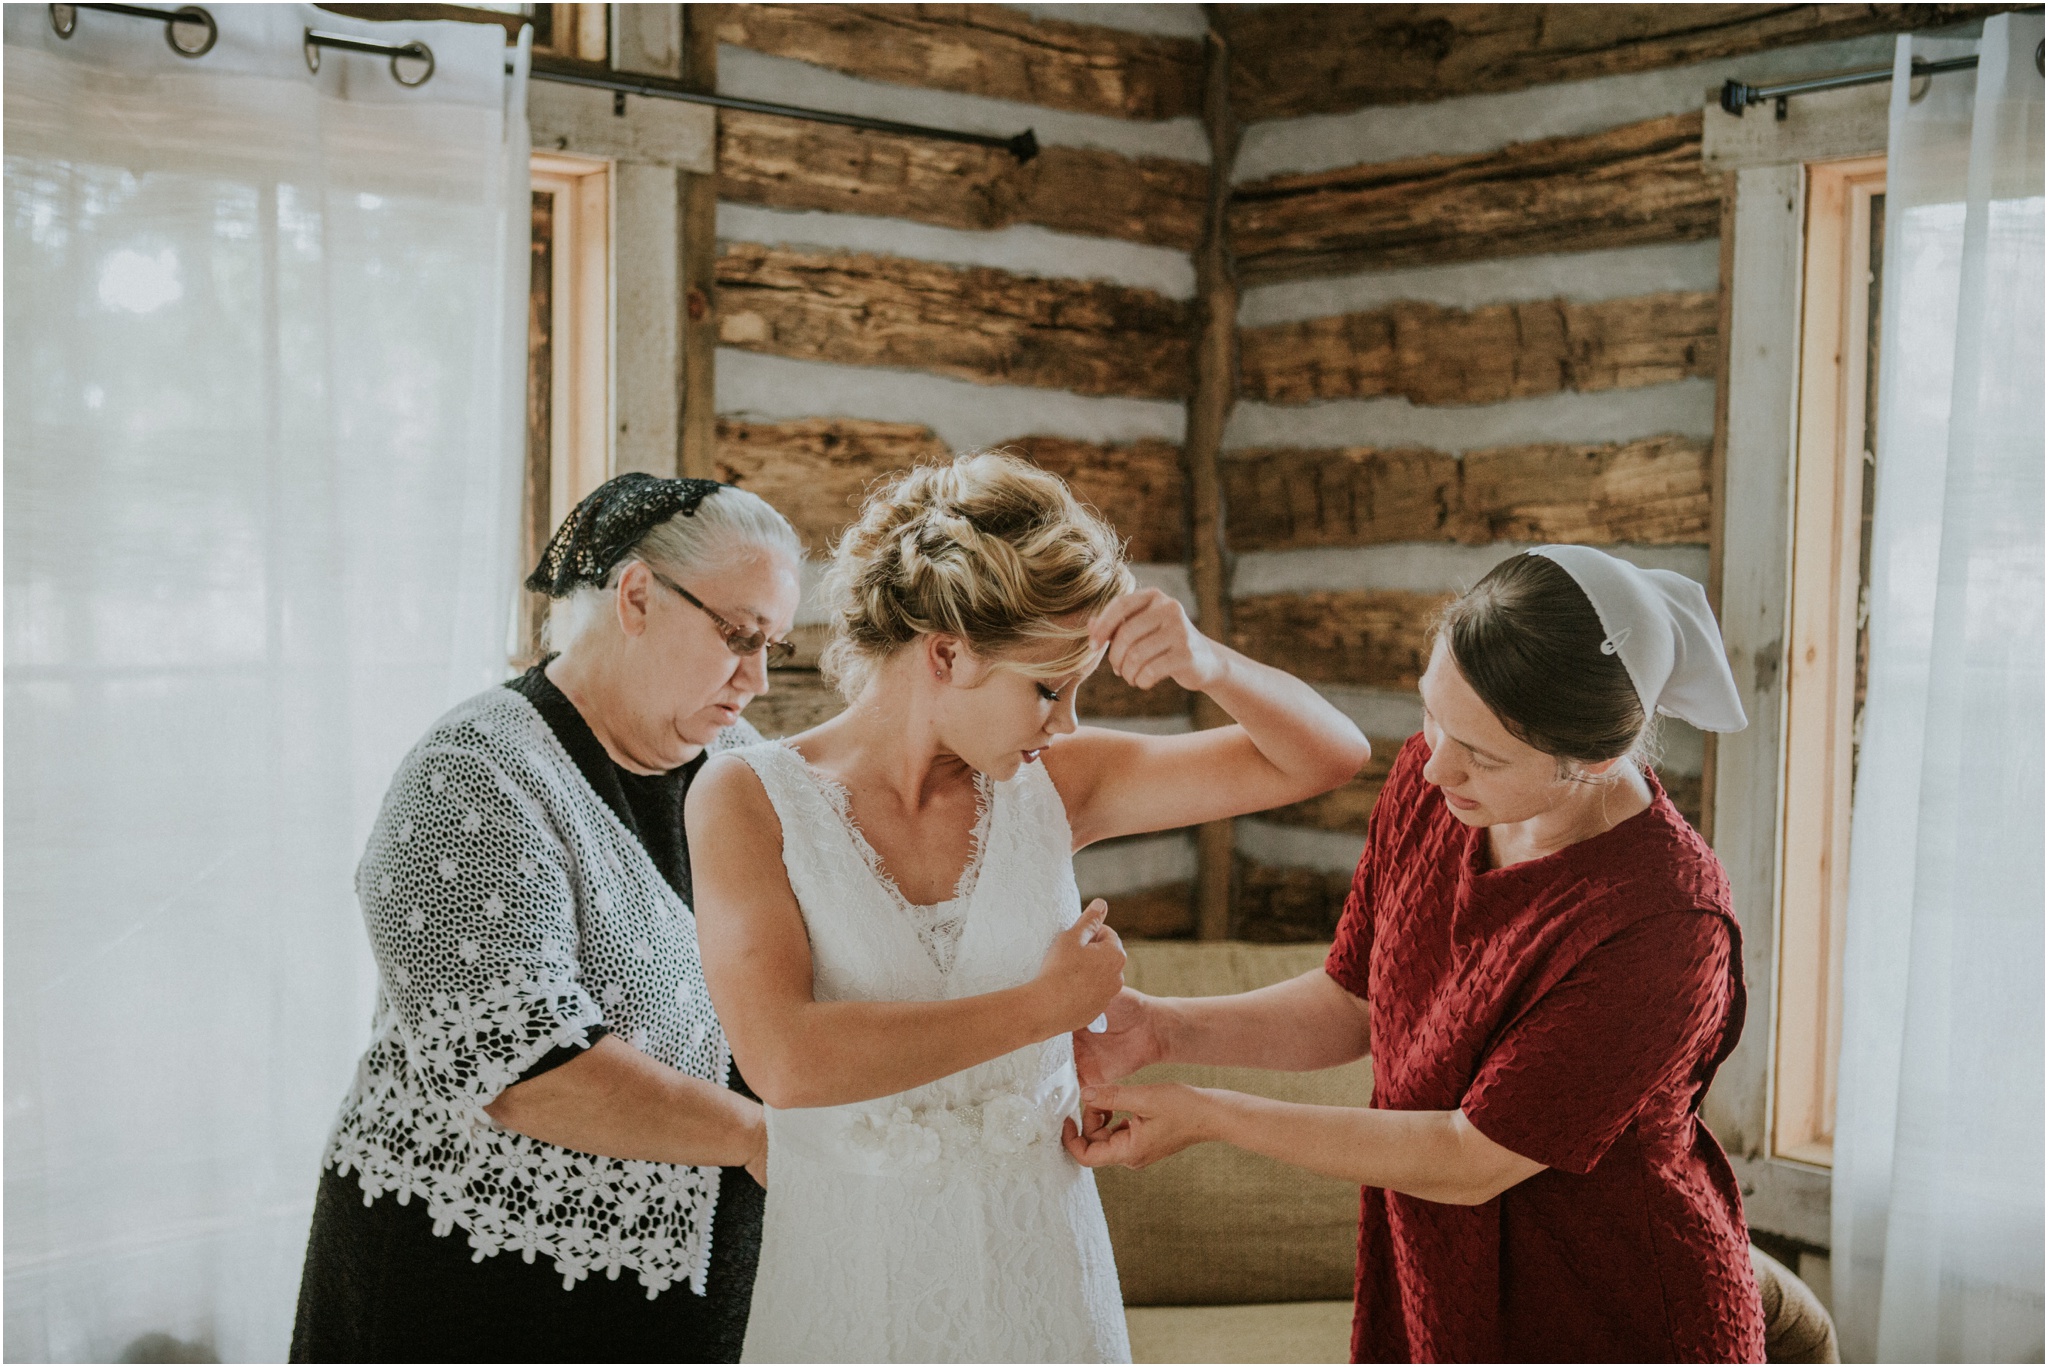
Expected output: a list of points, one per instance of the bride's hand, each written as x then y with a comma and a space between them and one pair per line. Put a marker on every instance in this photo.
1150, 639
1132, 1040
1158, 1122
1083, 970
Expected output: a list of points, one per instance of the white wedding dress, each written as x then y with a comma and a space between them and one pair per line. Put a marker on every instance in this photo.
946, 1223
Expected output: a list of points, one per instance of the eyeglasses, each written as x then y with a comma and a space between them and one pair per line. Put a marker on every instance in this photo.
737, 641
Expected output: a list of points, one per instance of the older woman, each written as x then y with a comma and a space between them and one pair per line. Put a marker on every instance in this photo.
547, 1101
1539, 955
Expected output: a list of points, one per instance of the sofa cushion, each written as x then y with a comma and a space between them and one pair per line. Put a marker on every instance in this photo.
1214, 1225
1298, 1331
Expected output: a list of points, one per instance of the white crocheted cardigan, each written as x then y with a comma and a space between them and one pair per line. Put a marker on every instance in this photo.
509, 911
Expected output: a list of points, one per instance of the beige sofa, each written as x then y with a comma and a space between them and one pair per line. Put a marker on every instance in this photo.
1229, 1257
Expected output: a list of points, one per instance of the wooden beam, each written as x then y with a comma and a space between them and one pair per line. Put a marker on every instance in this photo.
988, 50
1209, 405
697, 222
817, 470
1651, 491
1717, 483
1377, 638
971, 322
1432, 355
1640, 183
1320, 59
790, 164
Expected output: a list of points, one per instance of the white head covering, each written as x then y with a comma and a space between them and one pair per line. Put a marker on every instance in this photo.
1659, 623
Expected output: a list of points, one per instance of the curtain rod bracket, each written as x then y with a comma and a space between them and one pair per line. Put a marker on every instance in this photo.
64, 19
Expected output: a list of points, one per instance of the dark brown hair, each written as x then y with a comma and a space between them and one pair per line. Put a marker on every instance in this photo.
1528, 641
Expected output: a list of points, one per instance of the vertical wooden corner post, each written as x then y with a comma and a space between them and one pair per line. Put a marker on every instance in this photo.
1208, 410
697, 226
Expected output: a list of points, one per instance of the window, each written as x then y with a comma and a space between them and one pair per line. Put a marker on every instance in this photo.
579, 32
1833, 485
568, 354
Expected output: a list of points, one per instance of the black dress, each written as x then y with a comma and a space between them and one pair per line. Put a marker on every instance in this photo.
380, 1286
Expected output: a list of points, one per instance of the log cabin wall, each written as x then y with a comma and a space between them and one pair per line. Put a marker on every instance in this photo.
883, 300
1480, 310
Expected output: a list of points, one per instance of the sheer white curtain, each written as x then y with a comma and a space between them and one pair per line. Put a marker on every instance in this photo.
1938, 1140
263, 356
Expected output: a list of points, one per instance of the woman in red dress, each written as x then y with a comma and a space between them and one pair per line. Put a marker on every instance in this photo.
1539, 956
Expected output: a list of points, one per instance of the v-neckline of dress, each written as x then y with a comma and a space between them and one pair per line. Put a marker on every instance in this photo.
914, 914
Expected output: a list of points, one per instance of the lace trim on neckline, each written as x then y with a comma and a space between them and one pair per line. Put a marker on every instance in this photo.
939, 933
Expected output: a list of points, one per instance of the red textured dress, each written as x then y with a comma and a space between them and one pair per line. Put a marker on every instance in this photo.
1575, 1007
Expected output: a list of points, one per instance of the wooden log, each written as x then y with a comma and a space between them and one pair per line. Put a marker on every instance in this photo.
817, 471
1282, 498
1369, 637
789, 164
1287, 906
697, 217
1639, 183
1319, 59
1344, 809
1161, 913
974, 322
988, 50
1432, 355
1651, 491
1136, 485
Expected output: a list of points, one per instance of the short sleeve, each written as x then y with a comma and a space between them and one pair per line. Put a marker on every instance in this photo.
472, 918
1639, 1014
1350, 957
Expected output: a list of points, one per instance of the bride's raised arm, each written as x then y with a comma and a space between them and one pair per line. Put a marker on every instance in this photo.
797, 1051
1287, 744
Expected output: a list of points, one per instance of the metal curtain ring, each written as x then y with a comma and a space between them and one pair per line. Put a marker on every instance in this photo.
419, 51
64, 19
191, 14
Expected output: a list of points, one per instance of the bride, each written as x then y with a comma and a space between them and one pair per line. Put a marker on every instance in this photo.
890, 927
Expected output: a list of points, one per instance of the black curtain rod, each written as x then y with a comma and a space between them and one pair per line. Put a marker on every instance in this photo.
64, 18
1023, 146
1736, 97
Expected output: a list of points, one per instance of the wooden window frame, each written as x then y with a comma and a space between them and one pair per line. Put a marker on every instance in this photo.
573, 455
578, 32
1820, 658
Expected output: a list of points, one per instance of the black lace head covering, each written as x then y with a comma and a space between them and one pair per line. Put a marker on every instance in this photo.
606, 526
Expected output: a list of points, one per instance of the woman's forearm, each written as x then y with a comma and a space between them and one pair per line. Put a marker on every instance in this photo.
834, 1053
1294, 727
615, 1101
1304, 1023
1433, 1155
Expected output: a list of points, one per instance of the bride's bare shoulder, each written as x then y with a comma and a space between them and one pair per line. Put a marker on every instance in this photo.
727, 790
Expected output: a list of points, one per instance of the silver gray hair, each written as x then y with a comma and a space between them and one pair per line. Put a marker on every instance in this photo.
727, 526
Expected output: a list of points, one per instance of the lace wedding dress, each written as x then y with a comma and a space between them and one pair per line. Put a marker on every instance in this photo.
946, 1223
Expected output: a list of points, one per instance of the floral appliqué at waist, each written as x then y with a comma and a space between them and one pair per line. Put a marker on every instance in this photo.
996, 1127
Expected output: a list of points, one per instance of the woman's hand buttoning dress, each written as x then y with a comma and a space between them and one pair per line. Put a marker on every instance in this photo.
893, 933
546, 1132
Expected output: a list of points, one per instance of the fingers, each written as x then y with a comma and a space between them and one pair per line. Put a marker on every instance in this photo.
1116, 614
1090, 927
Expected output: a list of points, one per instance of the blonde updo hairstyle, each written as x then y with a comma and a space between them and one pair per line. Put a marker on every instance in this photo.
989, 549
